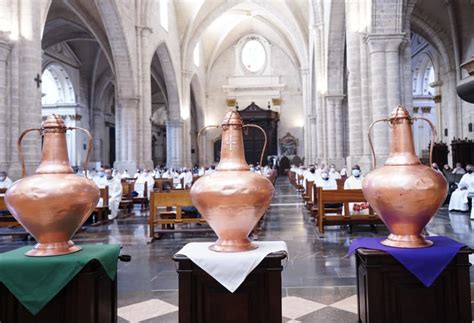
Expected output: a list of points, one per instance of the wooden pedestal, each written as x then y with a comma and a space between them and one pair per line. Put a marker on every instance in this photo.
203, 300
90, 297
389, 293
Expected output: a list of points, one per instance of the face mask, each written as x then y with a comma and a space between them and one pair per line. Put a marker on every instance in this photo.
356, 172
2, 179
101, 174
109, 176
325, 176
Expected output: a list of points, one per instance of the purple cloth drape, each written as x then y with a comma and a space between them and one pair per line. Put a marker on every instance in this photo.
425, 263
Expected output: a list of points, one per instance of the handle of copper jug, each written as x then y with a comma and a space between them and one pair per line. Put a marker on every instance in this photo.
89, 145
199, 137
433, 136
264, 136
374, 162
20, 149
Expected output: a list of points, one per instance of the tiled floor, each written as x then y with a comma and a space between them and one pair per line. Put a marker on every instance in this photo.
318, 280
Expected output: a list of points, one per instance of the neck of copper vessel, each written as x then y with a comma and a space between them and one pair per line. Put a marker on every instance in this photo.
54, 157
232, 144
402, 148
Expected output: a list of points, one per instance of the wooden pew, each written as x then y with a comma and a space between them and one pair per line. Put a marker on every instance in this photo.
103, 211
308, 194
166, 199
340, 183
142, 200
7, 220
315, 206
345, 197
163, 184
127, 189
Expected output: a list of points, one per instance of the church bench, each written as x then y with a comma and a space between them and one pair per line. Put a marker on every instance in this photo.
340, 183
142, 200
102, 212
345, 197
165, 217
163, 184
315, 206
7, 220
308, 195
126, 201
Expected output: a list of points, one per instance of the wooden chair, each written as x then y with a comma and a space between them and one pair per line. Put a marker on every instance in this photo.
127, 203
164, 200
103, 211
345, 197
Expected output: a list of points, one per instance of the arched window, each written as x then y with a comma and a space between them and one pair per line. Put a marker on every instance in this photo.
164, 14
56, 86
253, 56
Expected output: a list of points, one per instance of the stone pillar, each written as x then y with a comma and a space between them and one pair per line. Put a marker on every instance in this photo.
25, 91
436, 85
314, 137
306, 113
385, 85
334, 129
126, 143
174, 143
98, 134
4, 53
186, 115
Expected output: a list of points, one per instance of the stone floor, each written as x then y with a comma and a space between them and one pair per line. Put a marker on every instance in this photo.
318, 280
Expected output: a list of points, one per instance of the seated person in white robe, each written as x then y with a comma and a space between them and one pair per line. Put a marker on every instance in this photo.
187, 177
333, 173
325, 182
354, 182
458, 169
5, 182
459, 198
125, 174
144, 179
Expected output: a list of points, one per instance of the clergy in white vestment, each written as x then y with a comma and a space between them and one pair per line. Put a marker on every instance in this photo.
325, 182
201, 171
144, 179
125, 174
354, 182
115, 193
5, 181
187, 177
333, 173
458, 169
459, 198
167, 174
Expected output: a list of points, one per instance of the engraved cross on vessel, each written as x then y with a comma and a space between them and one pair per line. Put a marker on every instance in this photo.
231, 142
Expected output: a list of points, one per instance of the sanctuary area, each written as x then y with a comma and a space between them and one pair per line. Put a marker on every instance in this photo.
236, 161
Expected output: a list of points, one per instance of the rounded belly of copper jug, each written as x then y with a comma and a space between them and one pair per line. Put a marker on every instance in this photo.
52, 207
405, 198
232, 202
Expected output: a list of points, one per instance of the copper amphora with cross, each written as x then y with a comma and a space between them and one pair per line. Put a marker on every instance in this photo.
52, 204
232, 199
404, 193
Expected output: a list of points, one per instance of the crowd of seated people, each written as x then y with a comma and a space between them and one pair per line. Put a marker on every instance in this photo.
464, 187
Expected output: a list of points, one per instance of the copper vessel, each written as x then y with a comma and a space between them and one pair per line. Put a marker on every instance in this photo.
404, 193
52, 204
232, 199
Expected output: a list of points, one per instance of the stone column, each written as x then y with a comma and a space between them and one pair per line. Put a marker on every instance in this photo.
4, 53
304, 72
98, 133
126, 125
385, 85
314, 137
174, 143
25, 95
186, 115
334, 129
436, 85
